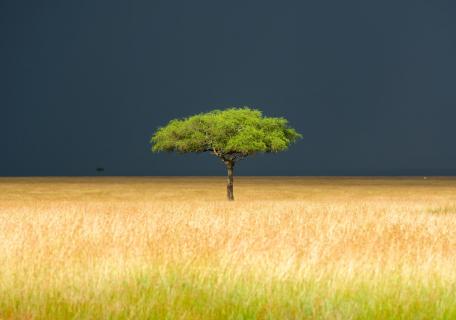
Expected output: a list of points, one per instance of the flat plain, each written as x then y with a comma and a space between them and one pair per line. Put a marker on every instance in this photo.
174, 248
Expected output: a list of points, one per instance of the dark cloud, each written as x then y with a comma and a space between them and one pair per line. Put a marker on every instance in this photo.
370, 84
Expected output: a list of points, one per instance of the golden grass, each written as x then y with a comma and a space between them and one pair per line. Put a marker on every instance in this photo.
287, 248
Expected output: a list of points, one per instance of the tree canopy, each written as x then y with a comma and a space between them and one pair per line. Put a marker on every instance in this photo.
230, 134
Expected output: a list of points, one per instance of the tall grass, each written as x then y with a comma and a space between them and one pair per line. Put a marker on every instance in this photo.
289, 248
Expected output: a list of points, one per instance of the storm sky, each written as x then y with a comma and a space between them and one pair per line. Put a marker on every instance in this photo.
371, 85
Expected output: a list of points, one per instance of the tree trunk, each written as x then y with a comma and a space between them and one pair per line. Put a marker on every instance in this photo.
229, 186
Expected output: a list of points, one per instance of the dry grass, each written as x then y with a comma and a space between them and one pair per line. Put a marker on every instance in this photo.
331, 248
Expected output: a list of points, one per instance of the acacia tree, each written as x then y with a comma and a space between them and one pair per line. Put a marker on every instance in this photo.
231, 135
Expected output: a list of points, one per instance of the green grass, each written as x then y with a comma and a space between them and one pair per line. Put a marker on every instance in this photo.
189, 293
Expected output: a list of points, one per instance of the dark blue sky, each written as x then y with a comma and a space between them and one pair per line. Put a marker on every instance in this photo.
370, 84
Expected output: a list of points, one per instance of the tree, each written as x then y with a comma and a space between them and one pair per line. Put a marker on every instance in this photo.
231, 135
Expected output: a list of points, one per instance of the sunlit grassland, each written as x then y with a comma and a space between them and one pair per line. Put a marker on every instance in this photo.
287, 248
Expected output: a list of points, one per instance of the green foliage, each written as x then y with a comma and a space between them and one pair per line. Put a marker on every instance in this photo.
230, 134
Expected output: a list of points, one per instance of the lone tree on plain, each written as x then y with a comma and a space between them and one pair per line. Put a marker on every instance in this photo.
232, 134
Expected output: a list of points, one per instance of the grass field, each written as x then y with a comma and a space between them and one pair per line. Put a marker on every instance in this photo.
174, 248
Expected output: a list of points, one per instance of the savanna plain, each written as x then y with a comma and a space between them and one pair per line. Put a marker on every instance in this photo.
174, 248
